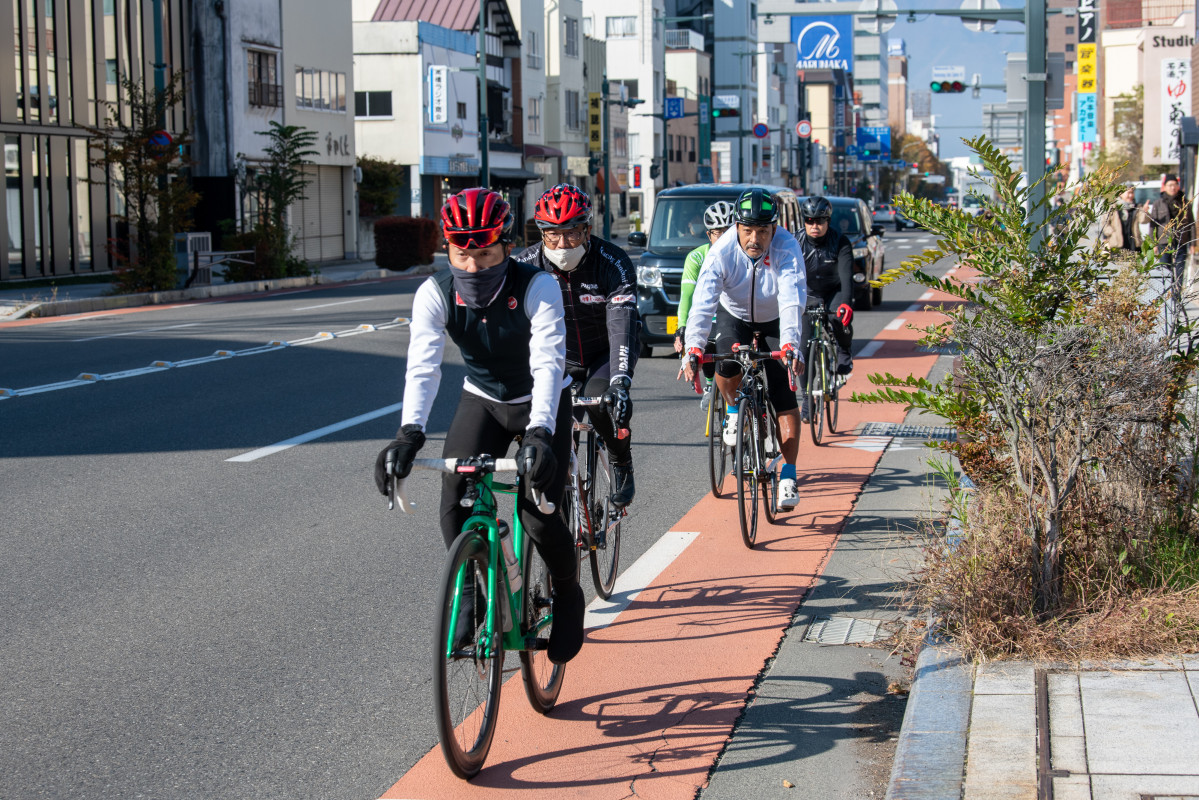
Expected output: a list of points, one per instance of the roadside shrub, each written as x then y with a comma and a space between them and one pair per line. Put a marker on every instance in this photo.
404, 242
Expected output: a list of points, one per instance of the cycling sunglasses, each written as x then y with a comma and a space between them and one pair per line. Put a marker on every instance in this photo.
814, 220
466, 240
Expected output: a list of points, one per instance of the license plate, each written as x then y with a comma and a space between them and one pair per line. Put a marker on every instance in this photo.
672, 324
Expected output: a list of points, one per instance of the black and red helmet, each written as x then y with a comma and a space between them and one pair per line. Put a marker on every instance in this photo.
563, 206
476, 218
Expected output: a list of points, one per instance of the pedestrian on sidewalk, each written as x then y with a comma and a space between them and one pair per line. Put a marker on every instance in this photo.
1171, 219
1121, 229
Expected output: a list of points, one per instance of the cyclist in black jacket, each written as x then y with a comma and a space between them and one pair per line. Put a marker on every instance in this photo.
828, 259
600, 302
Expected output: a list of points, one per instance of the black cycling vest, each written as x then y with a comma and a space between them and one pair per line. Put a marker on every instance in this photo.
820, 262
494, 340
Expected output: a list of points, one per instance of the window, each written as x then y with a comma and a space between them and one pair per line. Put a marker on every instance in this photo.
373, 104
532, 50
110, 8
691, 157
670, 146
570, 41
620, 27
1069, 29
588, 26
533, 117
620, 141
573, 117
110, 71
462, 111
1069, 48
262, 79
322, 90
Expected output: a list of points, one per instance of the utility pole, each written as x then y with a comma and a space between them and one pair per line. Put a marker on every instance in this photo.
484, 167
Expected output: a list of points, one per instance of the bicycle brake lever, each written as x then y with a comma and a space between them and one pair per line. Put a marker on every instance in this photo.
399, 496
543, 503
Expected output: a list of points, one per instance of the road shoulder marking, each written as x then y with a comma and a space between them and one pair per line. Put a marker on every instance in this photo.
262, 452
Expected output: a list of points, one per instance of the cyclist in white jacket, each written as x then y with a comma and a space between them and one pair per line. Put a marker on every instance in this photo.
755, 271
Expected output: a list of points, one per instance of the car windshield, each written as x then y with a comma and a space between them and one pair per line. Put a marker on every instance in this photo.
845, 219
679, 223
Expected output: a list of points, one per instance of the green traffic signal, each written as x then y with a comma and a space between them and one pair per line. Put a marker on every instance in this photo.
935, 86
717, 113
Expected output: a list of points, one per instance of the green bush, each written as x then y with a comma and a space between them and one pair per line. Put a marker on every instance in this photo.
403, 242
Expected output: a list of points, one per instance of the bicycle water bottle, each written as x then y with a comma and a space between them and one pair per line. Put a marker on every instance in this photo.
514, 580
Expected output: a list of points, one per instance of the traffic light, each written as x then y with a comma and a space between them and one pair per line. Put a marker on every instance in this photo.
655, 169
593, 163
718, 113
826, 186
947, 87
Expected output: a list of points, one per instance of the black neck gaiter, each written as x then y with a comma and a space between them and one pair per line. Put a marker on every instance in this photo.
479, 289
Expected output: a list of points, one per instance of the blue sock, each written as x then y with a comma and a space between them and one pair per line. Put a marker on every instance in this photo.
731, 409
788, 472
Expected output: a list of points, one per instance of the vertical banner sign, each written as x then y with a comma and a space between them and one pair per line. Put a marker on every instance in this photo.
636, 176
439, 106
1088, 15
1088, 69
1176, 104
1088, 129
595, 116
705, 130
838, 122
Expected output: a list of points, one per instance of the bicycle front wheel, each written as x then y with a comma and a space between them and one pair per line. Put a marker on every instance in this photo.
770, 475
816, 385
605, 523
718, 452
466, 669
745, 459
542, 677
832, 403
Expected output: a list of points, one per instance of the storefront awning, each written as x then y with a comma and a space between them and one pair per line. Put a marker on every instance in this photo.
514, 175
542, 151
600, 178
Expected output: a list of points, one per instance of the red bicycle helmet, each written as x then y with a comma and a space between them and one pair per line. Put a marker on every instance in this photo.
563, 206
476, 218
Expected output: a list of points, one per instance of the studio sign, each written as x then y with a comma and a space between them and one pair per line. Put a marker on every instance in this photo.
823, 42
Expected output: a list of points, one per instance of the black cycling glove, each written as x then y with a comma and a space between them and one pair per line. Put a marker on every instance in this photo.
535, 459
617, 398
396, 459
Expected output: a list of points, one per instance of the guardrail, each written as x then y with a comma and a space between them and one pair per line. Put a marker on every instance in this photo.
204, 261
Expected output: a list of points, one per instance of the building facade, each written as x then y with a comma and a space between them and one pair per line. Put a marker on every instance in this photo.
70, 58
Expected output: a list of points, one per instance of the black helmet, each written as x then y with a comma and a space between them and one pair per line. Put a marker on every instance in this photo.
816, 208
756, 207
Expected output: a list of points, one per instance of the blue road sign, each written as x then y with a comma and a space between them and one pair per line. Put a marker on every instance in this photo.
674, 108
874, 144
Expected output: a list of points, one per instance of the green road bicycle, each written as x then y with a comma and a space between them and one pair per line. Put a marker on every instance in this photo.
590, 514
823, 384
511, 610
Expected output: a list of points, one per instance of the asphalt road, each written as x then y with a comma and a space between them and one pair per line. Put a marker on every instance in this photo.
177, 624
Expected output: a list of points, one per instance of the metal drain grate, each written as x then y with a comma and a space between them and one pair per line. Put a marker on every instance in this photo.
901, 431
844, 630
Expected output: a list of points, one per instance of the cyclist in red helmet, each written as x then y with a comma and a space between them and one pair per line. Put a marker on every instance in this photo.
599, 299
506, 319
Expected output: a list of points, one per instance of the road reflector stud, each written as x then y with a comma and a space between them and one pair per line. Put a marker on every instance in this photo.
89, 376
162, 364
223, 353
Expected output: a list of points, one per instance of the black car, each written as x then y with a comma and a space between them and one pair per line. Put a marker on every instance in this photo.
852, 218
676, 230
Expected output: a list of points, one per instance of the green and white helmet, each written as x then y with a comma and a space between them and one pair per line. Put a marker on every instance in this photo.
757, 207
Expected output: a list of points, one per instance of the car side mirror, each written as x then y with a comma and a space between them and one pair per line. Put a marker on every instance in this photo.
876, 230
637, 239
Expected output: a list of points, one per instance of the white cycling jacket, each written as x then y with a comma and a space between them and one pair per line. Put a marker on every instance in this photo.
774, 288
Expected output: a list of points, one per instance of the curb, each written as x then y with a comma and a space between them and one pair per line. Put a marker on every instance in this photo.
931, 754
65, 307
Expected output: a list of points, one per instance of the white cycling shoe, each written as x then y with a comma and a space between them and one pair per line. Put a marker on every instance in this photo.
730, 430
788, 494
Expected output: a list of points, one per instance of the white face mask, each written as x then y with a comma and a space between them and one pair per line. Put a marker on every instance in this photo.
566, 259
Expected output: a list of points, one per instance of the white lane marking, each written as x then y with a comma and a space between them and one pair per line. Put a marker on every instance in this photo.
254, 455
338, 303
871, 444
633, 580
927, 296
915, 307
870, 349
894, 324
135, 333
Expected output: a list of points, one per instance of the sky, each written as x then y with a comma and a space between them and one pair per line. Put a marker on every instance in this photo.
945, 42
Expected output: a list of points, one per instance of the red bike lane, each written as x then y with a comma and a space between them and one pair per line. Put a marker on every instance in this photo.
649, 703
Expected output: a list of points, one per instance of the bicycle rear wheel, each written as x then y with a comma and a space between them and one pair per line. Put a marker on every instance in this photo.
832, 403
770, 476
816, 386
542, 677
466, 680
718, 452
605, 521
745, 460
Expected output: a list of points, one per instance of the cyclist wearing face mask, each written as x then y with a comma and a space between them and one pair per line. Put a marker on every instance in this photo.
506, 319
600, 304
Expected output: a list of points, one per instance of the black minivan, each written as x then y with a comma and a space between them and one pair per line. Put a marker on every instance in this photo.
677, 229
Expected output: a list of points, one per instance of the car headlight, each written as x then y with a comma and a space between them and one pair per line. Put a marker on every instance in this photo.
649, 277
860, 252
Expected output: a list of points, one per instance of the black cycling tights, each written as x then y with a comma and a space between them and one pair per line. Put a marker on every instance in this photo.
595, 380
487, 426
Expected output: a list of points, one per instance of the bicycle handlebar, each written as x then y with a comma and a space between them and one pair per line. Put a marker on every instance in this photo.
740, 352
595, 402
398, 495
